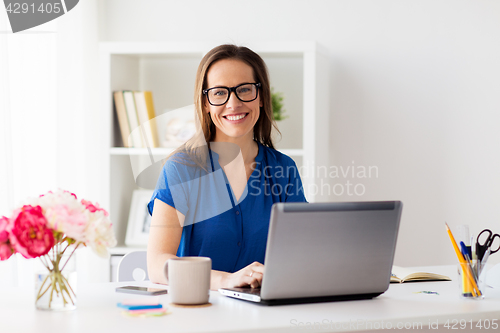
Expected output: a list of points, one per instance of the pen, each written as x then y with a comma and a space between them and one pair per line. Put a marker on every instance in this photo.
462, 261
466, 285
464, 249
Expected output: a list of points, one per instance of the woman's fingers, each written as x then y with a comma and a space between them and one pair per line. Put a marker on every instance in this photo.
255, 279
256, 274
257, 282
251, 276
252, 281
256, 267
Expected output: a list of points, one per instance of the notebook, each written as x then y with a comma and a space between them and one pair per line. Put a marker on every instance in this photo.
401, 274
319, 252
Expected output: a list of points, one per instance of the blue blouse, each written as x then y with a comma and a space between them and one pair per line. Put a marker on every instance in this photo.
233, 233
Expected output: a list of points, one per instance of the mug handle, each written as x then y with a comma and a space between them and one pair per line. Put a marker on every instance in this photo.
165, 270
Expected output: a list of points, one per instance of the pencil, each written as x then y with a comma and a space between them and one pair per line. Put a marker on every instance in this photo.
466, 283
463, 261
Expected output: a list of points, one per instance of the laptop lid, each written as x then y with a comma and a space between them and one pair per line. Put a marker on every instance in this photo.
330, 249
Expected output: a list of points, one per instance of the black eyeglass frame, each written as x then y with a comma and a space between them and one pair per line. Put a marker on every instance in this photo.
232, 89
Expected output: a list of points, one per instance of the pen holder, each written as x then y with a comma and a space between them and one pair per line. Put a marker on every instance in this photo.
469, 285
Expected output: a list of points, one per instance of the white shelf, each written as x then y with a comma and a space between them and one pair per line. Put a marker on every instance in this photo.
120, 151
140, 151
123, 250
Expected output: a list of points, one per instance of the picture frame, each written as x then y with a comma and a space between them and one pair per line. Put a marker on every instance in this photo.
176, 126
139, 219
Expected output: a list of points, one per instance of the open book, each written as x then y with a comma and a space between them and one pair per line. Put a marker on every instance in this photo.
401, 274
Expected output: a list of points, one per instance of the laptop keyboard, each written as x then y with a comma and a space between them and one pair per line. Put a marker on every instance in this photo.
251, 291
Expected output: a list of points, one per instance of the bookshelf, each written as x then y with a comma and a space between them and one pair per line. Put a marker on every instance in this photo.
297, 69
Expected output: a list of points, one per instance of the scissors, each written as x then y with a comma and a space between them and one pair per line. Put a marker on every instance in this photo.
481, 248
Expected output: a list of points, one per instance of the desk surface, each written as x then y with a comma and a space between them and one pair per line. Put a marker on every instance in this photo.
400, 305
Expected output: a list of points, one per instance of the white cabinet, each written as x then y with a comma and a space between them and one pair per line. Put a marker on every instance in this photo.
297, 69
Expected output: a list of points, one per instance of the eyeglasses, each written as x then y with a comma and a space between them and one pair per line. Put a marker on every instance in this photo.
246, 92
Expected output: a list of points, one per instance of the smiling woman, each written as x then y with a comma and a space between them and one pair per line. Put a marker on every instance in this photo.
203, 204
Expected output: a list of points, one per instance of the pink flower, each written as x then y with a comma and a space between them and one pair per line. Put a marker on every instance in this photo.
79, 221
6, 249
93, 208
64, 213
68, 220
29, 234
4, 234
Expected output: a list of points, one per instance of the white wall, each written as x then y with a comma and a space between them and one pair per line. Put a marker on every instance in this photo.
414, 92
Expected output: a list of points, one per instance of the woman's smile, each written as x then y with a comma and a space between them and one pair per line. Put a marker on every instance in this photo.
236, 118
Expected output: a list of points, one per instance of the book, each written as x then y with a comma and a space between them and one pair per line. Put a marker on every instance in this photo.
401, 274
135, 139
146, 114
152, 116
121, 113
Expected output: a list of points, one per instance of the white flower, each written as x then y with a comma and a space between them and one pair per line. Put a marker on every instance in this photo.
99, 233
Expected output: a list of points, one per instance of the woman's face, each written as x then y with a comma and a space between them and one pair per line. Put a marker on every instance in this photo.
235, 119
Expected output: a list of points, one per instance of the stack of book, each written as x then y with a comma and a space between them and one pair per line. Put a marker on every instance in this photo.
136, 117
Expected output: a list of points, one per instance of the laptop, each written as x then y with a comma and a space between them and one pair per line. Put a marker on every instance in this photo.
321, 252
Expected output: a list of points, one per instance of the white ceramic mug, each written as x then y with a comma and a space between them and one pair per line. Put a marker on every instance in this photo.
188, 279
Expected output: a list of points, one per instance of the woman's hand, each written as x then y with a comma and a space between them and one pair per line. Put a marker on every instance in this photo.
248, 276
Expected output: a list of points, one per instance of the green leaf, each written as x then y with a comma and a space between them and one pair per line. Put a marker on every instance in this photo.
277, 105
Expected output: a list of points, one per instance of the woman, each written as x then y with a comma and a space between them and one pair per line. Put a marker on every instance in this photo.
214, 198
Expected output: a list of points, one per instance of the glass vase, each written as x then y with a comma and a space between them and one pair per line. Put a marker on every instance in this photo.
55, 288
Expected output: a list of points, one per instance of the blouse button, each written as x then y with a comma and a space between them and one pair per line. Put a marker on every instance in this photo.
237, 212
239, 243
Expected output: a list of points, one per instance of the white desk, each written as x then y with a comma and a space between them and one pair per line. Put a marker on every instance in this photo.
97, 312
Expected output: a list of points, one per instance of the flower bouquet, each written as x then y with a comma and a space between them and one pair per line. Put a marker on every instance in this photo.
51, 227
